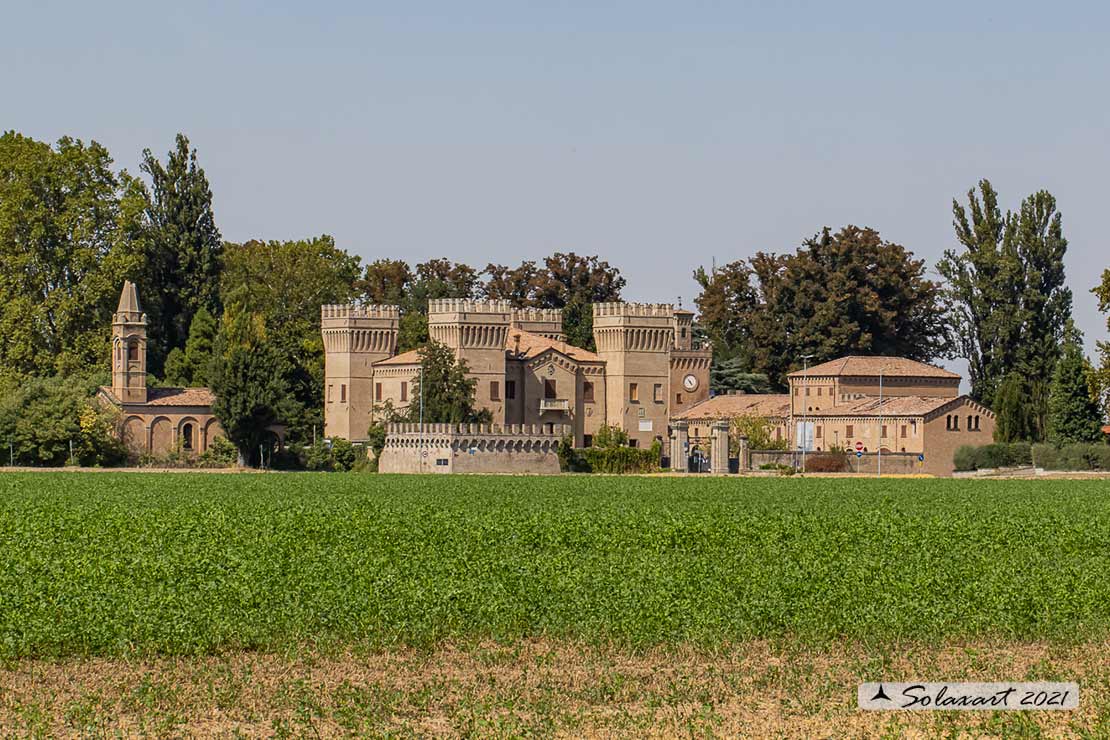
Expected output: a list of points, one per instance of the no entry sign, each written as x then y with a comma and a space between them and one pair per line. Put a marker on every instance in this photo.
859, 446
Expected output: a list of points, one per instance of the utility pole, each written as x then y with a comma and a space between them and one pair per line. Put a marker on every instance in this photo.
805, 395
880, 458
423, 452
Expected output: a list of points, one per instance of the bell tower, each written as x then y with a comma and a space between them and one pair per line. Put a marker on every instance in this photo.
129, 348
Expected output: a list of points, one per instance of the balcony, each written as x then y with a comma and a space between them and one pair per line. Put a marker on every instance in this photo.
554, 404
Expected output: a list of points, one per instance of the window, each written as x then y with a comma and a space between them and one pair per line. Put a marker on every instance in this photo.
884, 431
849, 431
588, 392
587, 440
633, 392
976, 423
657, 393
330, 389
678, 398
404, 390
494, 390
133, 352
682, 332
818, 431
797, 391
377, 391
343, 393
633, 443
778, 433
903, 431
807, 390
187, 437
819, 390
969, 425
510, 389
548, 388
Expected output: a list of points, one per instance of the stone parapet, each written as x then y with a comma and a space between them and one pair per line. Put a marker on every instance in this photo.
472, 448
468, 305
664, 310
354, 311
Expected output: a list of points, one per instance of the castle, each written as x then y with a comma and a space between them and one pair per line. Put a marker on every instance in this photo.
647, 367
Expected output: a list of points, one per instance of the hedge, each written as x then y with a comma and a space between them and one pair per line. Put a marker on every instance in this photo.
1072, 457
997, 455
1017, 454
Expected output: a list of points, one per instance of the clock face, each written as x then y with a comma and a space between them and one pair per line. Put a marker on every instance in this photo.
690, 383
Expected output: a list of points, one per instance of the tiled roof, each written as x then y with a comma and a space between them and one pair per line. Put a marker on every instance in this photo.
533, 345
741, 404
866, 366
900, 406
170, 397
412, 357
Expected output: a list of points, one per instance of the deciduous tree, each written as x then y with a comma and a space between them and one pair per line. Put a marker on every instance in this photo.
846, 293
443, 389
250, 379
71, 231
286, 282
181, 274
1010, 303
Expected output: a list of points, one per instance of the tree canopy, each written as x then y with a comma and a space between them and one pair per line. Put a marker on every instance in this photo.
1009, 301
181, 270
71, 231
1073, 412
845, 293
443, 389
286, 282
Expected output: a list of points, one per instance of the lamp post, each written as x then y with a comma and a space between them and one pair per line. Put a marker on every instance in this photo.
423, 452
880, 410
805, 395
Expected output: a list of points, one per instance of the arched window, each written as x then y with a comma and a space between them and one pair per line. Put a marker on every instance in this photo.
133, 351
187, 437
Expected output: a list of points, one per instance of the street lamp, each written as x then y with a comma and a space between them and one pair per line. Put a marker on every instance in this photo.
880, 416
805, 395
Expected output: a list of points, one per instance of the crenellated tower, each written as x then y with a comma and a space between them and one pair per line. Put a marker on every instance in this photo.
635, 340
476, 331
129, 348
355, 337
547, 322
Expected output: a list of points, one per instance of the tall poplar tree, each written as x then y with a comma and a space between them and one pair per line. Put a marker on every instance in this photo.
184, 250
1010, 303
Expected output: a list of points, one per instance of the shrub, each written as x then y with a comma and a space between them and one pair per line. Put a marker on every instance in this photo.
997, 455
1046, 456
621, 459
343, 454
220, 454
964, 459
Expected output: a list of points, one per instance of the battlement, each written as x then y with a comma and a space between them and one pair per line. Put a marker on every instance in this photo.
354, 311
547, 315
554, 431
472, 448
468, 305
657, 310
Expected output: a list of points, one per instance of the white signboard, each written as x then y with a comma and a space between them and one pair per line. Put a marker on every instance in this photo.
803, 436
645, 426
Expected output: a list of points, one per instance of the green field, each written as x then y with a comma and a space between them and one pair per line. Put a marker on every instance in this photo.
109, 563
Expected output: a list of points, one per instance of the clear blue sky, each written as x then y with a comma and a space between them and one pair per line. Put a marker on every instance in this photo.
656, 135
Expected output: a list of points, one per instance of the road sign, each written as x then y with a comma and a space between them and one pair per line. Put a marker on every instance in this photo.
921, 457
859, 446
859, 453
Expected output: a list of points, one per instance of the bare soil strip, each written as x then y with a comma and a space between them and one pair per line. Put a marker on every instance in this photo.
757, 689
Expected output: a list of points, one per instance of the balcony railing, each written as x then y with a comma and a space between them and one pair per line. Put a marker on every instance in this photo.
554, 404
